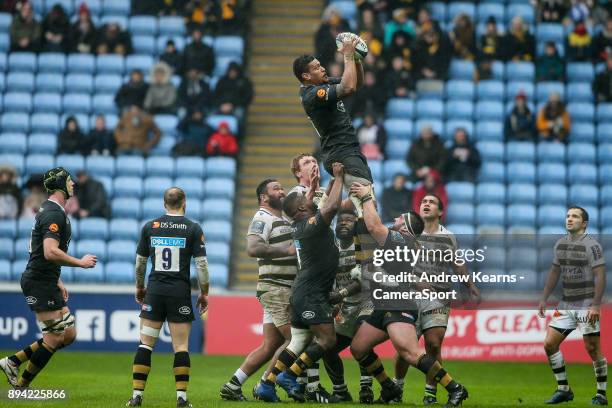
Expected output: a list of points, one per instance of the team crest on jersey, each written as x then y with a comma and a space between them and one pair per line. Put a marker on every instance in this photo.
308, 314
53, 228
257, 227
312, 220
340, 106
321, 93
155, 224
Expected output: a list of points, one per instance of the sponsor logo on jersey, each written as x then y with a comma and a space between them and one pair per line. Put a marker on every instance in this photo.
312, 220
168, 242
53, 228
30, 300
308, 314
169, 225
184, 310
146, 308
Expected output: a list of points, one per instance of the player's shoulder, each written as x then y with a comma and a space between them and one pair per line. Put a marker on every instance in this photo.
589, 240
50, 210
264, 215
300, 189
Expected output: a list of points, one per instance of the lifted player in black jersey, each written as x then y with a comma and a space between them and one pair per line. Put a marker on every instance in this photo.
171, 241
42, 287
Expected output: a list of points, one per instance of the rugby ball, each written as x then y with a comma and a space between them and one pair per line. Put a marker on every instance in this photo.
361, 50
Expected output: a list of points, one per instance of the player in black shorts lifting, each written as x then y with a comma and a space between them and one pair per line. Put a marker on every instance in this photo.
389, 321
171, 241
42, 287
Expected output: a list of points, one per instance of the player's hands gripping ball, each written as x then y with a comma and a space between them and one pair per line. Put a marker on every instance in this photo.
351, 43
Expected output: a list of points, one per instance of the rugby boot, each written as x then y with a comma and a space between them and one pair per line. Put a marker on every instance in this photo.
366, 395
430, 400
10, 370
456, 397
289, 384
343, 396
229, 394
389, 393
321, 396
599, 399
134, 401
560, 396
181, 403
265, 392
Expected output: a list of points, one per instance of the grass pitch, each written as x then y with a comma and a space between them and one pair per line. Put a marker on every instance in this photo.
104, 380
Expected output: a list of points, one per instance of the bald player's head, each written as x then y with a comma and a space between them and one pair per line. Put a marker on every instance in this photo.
174, 199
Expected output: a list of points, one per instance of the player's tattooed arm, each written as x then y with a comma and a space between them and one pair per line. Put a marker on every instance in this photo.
257, 248
202, 267
551, 282
348, 83
140, 270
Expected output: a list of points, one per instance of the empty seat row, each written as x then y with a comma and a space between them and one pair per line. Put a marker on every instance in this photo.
209, 209
524, 172
195, 188
481, 12
575, 152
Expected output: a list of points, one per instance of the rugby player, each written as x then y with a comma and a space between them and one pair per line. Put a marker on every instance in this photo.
171, 241
41, 284
579, 261
433, 315
311, 310
305, 169
269, 240
393, 323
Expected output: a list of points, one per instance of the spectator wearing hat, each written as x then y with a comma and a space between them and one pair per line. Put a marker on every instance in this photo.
132, 92
194, 93
83, 32
518, 42
553, 121
71, 140
550, 66
56, 30
161, 95
222, 142
578, 43
426, 153
194, 133
233, 92
172, 57
520, 122
198, 55
93, 200
396, 198
25, 30
491, 41
10, 194
113, 40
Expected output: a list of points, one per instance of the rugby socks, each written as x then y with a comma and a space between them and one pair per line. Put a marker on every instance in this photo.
601, 374
237, 379
24, 355
372, 365
430, 390
182, 365
558, 367
141, 369
285, 359
37, 362
335, 369
312, 375
312, 354
365, 379
434, 371
399, 382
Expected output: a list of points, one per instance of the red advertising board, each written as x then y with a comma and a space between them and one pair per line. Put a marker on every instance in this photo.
234, 328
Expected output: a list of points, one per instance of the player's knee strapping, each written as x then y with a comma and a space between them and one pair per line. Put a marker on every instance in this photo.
24, 355
181, 368
141, 367
52, 326
374, 367
367, 244
557, 364
300, 339
285, 359
38, 361
434, 372
312, 354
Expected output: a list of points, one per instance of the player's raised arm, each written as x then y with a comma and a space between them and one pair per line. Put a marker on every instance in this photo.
332, 203
373, 223
348, 83
360, 73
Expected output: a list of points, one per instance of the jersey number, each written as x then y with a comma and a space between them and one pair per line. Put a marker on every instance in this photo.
167, 259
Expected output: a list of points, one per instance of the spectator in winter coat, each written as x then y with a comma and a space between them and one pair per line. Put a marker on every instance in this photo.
400, 22
194, 134
372, 138
83, 32
491, 46
233, 92
463, 37
325, 38
426, 153
56, 28
579, 43
432, 55
133, 131
432, 184
102, 140
396, 198
550, 66
194, 93
10, 194
93, 201
25, 31
71, 140
369, 97
161, 95
222, 142
602, 43
463, 158
552, 11
519, 43
520, 122
132, 92
113, 40
553, 120
602, 86
198, 55
172, 57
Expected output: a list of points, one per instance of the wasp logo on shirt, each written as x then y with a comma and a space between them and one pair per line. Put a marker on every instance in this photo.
53, 228
155, 224
321, 93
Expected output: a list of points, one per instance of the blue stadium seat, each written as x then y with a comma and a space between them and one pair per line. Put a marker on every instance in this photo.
91, 246
20, 82
400, 108
550, 32
492, 193
127, 186
459, 109
130, 166
581, 111
218, 275
194, 209
520, 71
522, 193
4, 45
93, 228
460, 89
144, 44
126, 207
495, 258
53, 62
5, 21
491, 151
17, 102
118, 19
42, 143
71, 162
550, 193
606, 216
461, 69
179, 43
171, 25
514, 87
392, 167
167, 123
8, 229
452, 125
13, 143
490, 89
544, 89
398, 128
15, 160
522, 172
141, 62
580, 91
460, 212
580, 72
17, 268
432, 108
397, 148
215, 120
5, 270
375, 169
582, 132
21, 249
550, 152
152, 208
228, 46
110, 64
489, 110
485, 10
122, 250
490, 130
604, 133
81, 119
552, 173
605, 196
520, 151
156, 186
526, 11
216, 209
221, 167
79, 83
581, 152
83, 63
222, 64
143, 25
159, 166
192, 186
582, 173
219, 188
584, 195
118, 7
218, 252
104, 104
77, 103
492, 172
50, 82
100, 165
604, 153
7, 251
521, 215
47, 102
124, 229
491, 214
217, 231
437, 10
120, 272
22, 61
67, 5
24, 227
604, 112
15, 122
107, 83
164, 147
191, 166
92, 275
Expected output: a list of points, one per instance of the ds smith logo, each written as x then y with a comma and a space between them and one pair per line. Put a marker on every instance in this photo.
169, 225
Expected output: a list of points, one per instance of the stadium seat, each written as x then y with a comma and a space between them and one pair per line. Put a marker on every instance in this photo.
130, 166
15, 160
490, 90
604, 133
584, 195
220, 231
526, 11
544, 89
521, 215
606, 195
605, 174
396, 149
20, 82
514, 87
219, 188
50, 82
452, 125
126, 208
492, 193
489, 111
228, 46
107, 83
93, 228
460, 213
194, 208
375, 168
461, 69
123, 250
582, 132
399, 108
5, 21
141, 62
144, 44
581, 111
5, 270
24, 227
581, 152
551, 215
8, 229
217, 209
456, 8
118, 7
119, 272
580, 91
218, 275
79, 83
152, 208
143, 25
104, 104
490, 214
398, 128
7, 251
459, 110
552, 194
13, 143
580, 72
491, 151
83, 63
551, 152
127, 186
92, 275
53, 62
606, 216
167, 123
171, 26
17, 102
487, 130
159, 166
392, 167
192, 186
520, 151
15, 122
604, 153
191, 166
154, 187
459, 89
71, 162
37, 163
430, 108
21, 251
604, 112
492, 172
91, 246
218, 252
437, 10
100, 165
110, 64
551, 173
22, 62
485, 10
77, 103
521, 193
549, 32
124, 229
164, 147
4, 46
47, 102
17, 268
582, 173
224, 167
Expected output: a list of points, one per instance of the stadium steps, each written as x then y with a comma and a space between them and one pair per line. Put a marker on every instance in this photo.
276, 127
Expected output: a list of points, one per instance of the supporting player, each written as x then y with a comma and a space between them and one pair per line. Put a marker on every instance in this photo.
579, 260
393, 322
269, 240
42, 287
171, 241
311, 310
303, 167
433, 316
